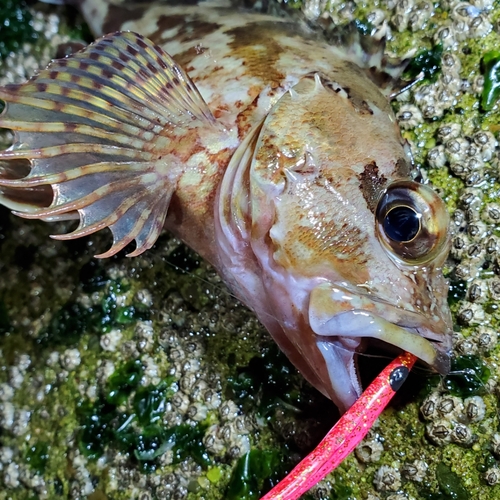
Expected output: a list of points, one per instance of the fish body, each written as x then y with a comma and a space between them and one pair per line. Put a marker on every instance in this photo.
269, 151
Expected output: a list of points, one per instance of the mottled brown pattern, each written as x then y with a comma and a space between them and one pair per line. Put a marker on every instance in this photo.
361, 106
338, 245
120, 14
261, 63
301, 204
371, 185
184, 58
190, 29
358, 103
403, 168
244, 119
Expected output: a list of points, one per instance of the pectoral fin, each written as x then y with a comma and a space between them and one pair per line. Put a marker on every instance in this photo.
103, 128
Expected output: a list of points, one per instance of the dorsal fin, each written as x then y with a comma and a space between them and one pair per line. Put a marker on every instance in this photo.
99, 127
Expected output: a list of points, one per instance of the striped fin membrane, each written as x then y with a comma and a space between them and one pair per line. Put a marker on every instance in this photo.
99, 128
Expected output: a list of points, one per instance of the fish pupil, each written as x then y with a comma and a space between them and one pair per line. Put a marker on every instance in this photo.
401, 224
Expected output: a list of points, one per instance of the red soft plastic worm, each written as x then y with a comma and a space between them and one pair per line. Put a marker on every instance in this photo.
346, 434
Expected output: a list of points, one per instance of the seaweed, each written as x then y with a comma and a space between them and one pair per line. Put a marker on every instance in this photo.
17, 26
252, 475
127, 417
150, 403
267, 382
73, 320
468, 376
123, 381
427, 62
37, 456
491, 70
457, 291
450, 483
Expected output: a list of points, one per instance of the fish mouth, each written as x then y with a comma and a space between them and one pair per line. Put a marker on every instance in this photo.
419, 341
340, 318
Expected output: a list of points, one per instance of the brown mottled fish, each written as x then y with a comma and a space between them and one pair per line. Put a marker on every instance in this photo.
268, 150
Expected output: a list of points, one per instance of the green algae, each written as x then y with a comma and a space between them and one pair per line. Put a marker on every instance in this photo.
149, 403
69, 323
252, 475
16, 24
185, 441
491, 68
72, 320
340, 490
468, 376
427, 63
127, 417
450, 484
96, 430
37, 456
268, 381
142, 437
457, 291
123, 381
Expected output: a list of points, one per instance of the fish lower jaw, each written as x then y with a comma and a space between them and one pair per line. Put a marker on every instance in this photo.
358, 324
340, 351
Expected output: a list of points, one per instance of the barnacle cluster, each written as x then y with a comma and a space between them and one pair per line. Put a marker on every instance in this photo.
148, 401
22, 61
454, 138
101, 399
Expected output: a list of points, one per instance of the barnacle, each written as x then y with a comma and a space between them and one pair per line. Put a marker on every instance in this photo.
449, 407
475, 409
387, 479
439, 432
461, 434
415, 471
409, 116
492, 476
369, 451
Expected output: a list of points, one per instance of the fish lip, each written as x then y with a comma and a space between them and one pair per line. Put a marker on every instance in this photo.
442, 344
441, 362
339, 312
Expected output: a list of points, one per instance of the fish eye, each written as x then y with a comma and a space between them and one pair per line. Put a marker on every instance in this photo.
401, 224
412, 222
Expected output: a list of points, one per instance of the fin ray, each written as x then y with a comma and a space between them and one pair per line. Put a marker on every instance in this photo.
100, 128
39, 180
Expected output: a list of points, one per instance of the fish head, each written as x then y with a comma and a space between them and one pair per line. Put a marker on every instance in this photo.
350, 248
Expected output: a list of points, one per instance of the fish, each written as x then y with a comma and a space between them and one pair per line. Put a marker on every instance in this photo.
265, 144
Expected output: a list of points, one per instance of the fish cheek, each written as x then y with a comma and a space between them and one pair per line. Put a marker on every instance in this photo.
313, 236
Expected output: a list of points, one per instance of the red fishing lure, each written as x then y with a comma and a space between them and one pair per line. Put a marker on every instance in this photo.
346, 434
